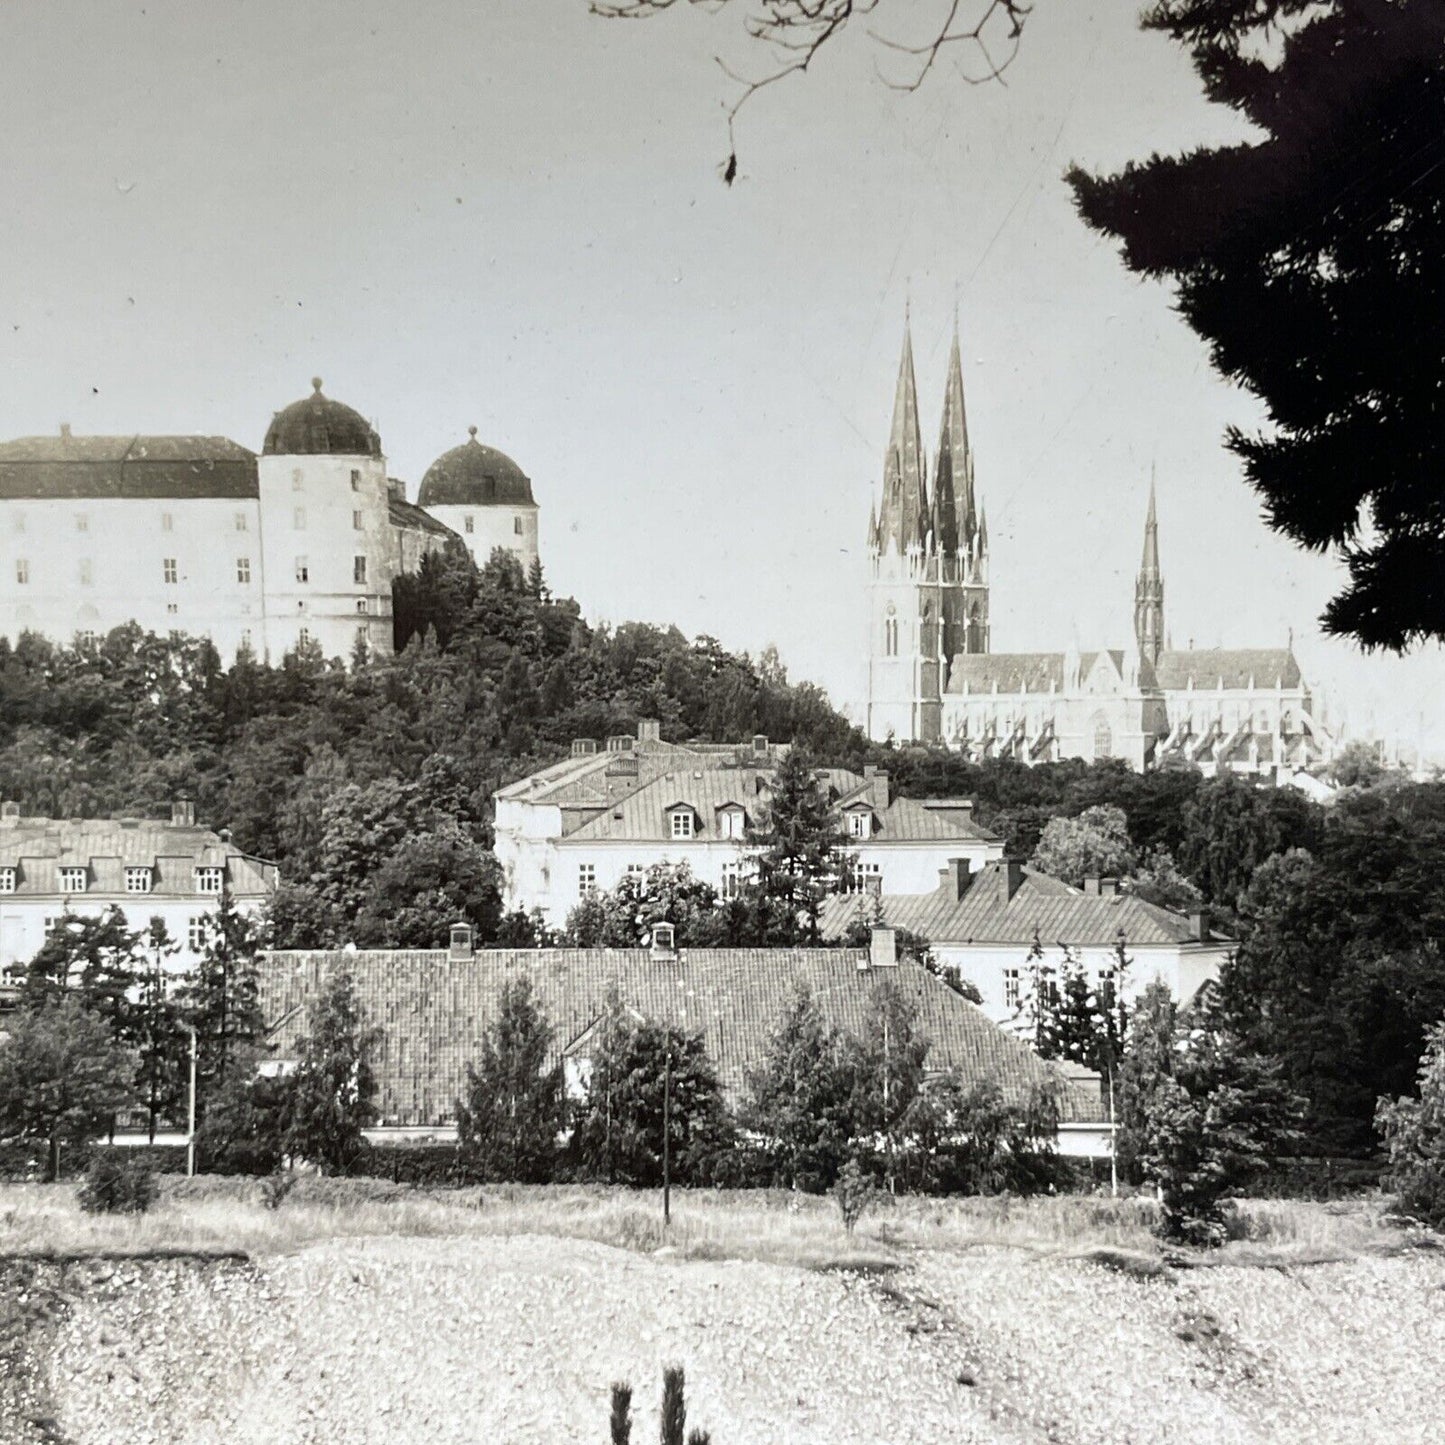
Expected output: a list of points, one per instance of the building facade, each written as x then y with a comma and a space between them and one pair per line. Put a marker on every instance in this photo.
934, 678
486, 500
298, 545
585, 824
178, 871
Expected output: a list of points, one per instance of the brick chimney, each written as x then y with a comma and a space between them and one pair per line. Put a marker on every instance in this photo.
761, 746
882, 947
1199, 925
1012, 870
461, 944
878, 778
1091, 886
955, 877
183, 813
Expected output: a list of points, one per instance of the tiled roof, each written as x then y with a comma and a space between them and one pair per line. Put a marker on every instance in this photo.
1012, 671
318, 425
1239, 667
65, 467
643, 813
433, 1010
474, 475
407, 514
39, 847
1042, 905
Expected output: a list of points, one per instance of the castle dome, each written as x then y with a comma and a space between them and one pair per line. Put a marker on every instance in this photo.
319, 426
474, 475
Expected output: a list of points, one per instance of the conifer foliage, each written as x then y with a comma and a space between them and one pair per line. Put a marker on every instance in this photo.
1308, 260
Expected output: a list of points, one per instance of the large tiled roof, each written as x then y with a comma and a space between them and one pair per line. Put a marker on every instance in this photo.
38, 847
433, 1010
1237, 667
408, 514
645, 813
1041, 906
1011, 671
65, 467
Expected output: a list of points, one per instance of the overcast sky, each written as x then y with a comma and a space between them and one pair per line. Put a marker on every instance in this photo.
484, 212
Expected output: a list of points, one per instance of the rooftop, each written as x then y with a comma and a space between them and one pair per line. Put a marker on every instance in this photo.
475, 475
67, 467
318, 426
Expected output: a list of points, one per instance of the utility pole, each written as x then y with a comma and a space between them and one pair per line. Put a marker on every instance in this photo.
667, 1138
191, 1110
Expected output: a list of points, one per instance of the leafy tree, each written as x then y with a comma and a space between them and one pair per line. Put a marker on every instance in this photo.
1095, 844
97, 959
63, 1076
221, 998
626, 916
1321, 238
1356, 765
507, 1125
244, 1129
887, 1067
161, 1040
619, 1130
1159, 881
428, 883
797, 835
333, 1089
1414, 1133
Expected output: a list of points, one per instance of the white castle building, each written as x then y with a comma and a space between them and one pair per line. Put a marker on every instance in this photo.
197, 534
933, 677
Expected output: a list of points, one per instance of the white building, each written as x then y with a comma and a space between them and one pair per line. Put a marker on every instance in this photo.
176, 870
485, 498
1009, 930
586, 823
197, 534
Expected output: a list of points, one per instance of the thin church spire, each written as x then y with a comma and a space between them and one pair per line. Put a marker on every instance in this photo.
903, 520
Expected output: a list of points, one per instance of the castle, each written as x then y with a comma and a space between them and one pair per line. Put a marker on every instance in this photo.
268, 553
933, 678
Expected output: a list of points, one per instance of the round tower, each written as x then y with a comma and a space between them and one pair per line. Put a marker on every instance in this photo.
485, 498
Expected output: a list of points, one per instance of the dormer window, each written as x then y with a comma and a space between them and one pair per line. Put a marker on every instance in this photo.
860, 823
209, 880
734, 822
683, 823
72, 880
138, 880
7, 880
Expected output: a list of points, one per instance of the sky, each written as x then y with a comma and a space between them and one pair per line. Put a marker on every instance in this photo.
477, 212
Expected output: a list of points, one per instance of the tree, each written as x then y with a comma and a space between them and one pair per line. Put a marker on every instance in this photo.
1093, 845
1321, 239
161, 1044
63, 1077
1159, 881
797, 836
1414, 1133
245, 1124
97, 959
221, 998
626, 916
887, 1066
507, 1125
333, 1089
1356, 765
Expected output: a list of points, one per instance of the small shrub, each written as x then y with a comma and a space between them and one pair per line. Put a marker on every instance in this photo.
674, 1406
117, 1186
275, 1188
621, 1421
854, 1192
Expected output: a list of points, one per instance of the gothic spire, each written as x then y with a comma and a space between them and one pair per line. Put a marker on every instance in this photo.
903, 522
1149, 589
953, 477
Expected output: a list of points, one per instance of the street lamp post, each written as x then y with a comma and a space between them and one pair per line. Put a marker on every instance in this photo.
667, 1137
191, 1109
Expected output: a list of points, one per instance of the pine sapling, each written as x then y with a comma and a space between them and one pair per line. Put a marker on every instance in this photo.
674, 1408
698, 1437
621, 1413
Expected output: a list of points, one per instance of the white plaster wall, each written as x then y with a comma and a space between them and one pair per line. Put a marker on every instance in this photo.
914, 867
492, 527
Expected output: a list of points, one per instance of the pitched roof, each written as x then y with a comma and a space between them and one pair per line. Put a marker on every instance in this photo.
407, 514
38, 847
71, 467
433, 1010
1011, 671
1237, 667
1045, 906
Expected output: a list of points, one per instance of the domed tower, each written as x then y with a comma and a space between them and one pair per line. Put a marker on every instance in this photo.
485, 498
326, 537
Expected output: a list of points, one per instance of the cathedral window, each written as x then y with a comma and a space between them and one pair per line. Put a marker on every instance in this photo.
298, 519
358, 522
243, 569
22, 570
358, 569
890, 636
87, 574
169, 571
303, 570
1103, 740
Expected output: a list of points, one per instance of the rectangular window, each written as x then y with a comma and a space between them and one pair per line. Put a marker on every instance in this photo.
361, 605
7, 880
240, 521
517, 525
87, 574
731, 880
303, 638
168, 523
865, 878
196, 935
732, 822
246, 639
243, 569
82, 521
22, 571
169, 572
19, 521
1011, 992
358, 522
358, 569
681, 824
298, 519
172, 608
586, 879
85, 639
356, 479
303, 571
860, 824
469, 523
295, 479
137, 880
72, 880
208, 880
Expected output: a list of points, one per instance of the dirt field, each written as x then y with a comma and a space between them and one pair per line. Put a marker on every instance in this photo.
497, 1339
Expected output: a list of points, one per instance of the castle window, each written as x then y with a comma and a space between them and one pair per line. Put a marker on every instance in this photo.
361, 604
82, 521
298, 519
243, 569
138, 880
240, 521
168, 522
358, 569
586, 879
209, 880
295, 479
72, 880
7, 880
356, 479
303, 571
517, 525
357, 522
169, 571
22, 570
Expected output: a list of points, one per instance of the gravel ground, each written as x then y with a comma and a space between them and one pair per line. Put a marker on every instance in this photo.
517, 1340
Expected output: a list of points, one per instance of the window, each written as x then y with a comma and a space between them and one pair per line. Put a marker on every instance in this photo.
517, 525
85, 572
172, 608
863, 877
358, 569
303, 571
243, 569
361, 605
356, 479
246, 639
890, 636
1011, 990
168, 570
303, 637
72, 880
85, 640
137, 880
682, 821
240, 521
296, 482
197, 935
1103, 740
22, 571
82, 521
209, 880
731, 880
860, 823
358, 522
19, 521
298, 519
734, 822
469, 523
586, 879
7, 880
168, 522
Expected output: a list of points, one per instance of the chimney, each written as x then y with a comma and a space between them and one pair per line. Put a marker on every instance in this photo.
1013, 877
9, 812
1091, 886
649, 730
1108, 888
583, 747
460, 944
183, 813
882, 948
955, 876
664, 941
620, 743
760, 745
225, 836
1199, 925
395, 490
881, 797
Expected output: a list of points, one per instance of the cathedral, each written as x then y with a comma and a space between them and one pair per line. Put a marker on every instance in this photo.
934, 678
263, 553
